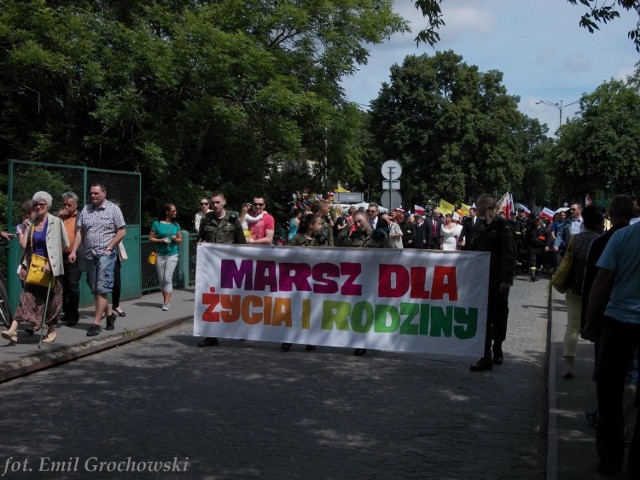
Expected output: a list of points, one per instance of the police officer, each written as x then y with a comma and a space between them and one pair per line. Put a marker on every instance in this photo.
494, 234
219, 226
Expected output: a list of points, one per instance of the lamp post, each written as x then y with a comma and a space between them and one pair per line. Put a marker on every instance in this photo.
560, 106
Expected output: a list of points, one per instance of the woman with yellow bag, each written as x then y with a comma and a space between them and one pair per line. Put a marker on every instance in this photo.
40, 268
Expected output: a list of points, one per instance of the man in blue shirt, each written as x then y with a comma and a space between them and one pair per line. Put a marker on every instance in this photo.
616, 290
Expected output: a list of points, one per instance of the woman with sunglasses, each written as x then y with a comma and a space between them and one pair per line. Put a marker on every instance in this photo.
166, 233
47, 238
204, 209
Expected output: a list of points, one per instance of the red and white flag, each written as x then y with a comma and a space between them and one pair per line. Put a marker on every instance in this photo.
505, 204
417, 209
547, 213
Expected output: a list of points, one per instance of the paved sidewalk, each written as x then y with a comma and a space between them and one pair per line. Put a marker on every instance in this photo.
144, 317
571, 441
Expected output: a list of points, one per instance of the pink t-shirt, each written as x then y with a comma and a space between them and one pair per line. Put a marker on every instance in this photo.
259, 229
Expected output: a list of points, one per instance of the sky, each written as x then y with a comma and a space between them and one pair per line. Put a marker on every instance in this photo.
537, 44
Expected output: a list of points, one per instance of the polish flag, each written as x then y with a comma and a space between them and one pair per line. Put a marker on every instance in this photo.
418, 210
547, 213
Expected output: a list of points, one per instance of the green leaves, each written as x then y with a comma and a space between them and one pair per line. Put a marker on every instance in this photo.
451, 126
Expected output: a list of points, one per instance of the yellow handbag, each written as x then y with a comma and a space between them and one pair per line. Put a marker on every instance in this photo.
36, 274
560, 278
153, 256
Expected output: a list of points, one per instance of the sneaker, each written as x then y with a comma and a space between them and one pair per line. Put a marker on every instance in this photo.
93, 330
165, 307
111, 321
592, 418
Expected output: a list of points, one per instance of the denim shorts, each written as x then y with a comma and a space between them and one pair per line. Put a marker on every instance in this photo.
100, 273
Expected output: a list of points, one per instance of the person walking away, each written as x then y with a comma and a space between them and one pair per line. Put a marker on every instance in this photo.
100, 228
494, 235
620, 212
47, 238
593, 225
616, 290
166, 234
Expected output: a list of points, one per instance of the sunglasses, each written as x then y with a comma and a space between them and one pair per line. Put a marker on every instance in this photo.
41, 205
204, 203
258, 204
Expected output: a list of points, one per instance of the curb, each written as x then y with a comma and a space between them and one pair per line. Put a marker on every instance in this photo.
552, 407
41, 361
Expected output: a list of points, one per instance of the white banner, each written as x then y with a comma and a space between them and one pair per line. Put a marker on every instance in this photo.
387, 299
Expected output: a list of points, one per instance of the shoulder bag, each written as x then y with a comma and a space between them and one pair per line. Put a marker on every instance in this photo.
36, 274
560, 278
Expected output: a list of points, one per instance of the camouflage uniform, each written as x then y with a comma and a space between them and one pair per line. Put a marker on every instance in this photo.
220, 230
223, 230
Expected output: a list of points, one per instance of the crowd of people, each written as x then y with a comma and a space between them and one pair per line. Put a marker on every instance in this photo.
603, 294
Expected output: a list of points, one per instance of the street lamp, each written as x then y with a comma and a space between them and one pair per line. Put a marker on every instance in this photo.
559, 106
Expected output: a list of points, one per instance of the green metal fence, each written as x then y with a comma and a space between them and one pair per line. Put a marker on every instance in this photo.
26, 178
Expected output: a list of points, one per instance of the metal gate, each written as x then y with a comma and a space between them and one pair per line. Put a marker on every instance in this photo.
124, 188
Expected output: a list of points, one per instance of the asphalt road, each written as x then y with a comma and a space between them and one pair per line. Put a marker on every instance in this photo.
244, 410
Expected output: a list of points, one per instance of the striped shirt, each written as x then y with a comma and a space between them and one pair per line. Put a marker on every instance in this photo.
99, 225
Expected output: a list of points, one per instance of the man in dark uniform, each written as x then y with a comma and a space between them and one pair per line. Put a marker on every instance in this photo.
519, 234
495, 235
538, 243
219, 226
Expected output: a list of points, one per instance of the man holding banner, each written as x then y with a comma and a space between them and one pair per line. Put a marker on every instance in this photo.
495, 235
219, 226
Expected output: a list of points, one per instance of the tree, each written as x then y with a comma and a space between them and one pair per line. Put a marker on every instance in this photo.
455, 130
597, 152
183, 90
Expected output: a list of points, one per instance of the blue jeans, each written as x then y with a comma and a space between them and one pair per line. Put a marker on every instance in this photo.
100, 272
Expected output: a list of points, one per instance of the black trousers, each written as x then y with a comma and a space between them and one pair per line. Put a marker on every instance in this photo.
618, 347
71, 289
117, 285
497, 315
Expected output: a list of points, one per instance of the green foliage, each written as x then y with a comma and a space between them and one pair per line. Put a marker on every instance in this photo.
597, 152
600, 12
203, 94
454, 129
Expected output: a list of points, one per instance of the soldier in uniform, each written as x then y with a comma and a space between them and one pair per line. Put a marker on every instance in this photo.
219, 226
494, 234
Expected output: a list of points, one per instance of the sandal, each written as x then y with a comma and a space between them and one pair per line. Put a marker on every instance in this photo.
50, 338
11, 336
